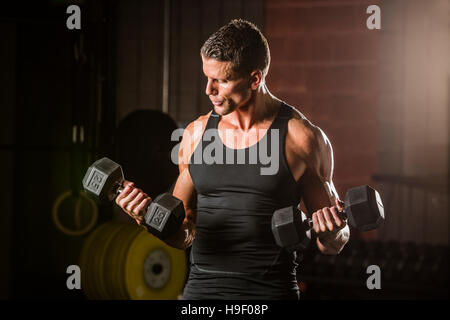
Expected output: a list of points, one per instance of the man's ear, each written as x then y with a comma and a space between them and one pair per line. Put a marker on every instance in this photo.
255, 79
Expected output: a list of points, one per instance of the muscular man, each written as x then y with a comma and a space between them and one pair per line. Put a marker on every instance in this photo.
229, 205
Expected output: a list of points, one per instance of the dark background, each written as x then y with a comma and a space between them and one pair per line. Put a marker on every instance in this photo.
381, 96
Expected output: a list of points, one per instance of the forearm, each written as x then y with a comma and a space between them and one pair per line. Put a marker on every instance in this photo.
333, 242
184, 237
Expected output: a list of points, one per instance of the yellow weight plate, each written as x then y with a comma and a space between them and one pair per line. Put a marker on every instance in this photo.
131, 236
154, 270
91, 260
100, 267
85, 261
114, 258
110, 266
95, 273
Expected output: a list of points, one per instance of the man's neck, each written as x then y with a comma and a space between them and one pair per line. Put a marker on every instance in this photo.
262, 107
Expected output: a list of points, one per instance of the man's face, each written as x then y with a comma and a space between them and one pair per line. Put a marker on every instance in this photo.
226, 90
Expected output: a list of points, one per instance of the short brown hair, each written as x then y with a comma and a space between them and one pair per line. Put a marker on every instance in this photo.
242, 43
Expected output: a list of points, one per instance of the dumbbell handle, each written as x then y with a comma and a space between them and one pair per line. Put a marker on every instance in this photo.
309, 222
154, 217
304, 228
120, 188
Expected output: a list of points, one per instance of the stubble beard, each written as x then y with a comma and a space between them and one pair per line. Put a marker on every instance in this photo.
225, 109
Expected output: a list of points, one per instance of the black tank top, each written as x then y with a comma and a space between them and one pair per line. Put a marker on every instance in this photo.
234, 255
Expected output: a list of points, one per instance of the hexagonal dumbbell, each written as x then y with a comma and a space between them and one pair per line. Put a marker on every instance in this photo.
103, 181
363, 210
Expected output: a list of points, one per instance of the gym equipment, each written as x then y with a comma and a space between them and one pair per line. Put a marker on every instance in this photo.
435, 269
405, 262
372, 251
353, 264
340, 263
77, 212
104, 180
388, 260
120, 261
364, 210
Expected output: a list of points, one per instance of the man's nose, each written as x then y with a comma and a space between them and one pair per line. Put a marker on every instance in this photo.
210, 90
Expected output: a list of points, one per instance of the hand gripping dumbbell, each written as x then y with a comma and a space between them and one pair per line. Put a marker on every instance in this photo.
364, 211
103, 181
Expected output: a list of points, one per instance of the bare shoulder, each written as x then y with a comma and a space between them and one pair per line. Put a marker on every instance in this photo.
191, 137
198, 125
308, 141
304, 134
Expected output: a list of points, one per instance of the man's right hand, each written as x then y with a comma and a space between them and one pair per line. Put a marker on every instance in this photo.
133, 201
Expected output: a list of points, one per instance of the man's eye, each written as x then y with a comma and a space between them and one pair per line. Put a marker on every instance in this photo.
219, 81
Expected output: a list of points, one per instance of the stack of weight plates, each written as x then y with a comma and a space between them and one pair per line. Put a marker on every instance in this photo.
123, 261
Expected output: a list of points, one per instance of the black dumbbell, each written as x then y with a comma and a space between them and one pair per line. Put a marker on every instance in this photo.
103, 181
364, 210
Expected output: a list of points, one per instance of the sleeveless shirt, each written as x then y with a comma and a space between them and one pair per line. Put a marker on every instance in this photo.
234, 255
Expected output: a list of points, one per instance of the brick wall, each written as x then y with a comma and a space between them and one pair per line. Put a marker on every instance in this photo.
324, 62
